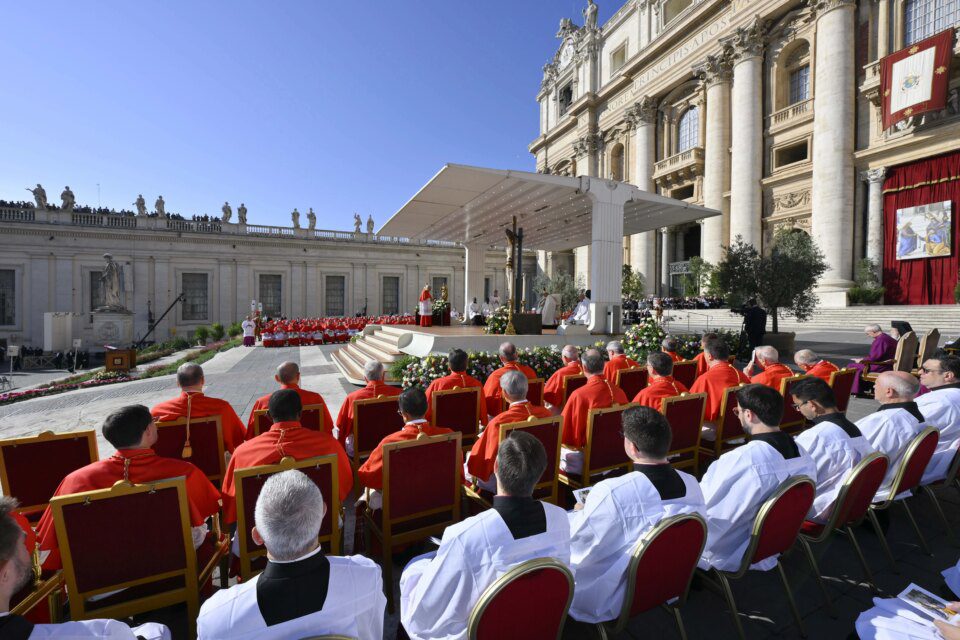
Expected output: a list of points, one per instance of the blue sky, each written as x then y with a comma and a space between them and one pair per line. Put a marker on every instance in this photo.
343, 107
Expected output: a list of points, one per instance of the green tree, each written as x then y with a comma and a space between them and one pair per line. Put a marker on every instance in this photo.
632, 284
781, 281
697, 281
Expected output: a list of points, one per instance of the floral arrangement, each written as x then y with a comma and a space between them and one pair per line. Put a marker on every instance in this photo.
646, 336
497, 322
440, 305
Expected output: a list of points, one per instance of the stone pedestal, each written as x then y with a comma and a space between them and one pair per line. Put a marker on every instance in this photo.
114, 328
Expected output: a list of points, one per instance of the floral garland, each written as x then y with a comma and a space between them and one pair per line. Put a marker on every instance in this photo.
646, 336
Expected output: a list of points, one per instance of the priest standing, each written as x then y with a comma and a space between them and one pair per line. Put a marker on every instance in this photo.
426, 307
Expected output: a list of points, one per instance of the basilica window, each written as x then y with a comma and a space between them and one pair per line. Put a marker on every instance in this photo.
391, 295
8, 299
798, 74
271, 294
195, 290
924, 18
335, 301
565, 98
616, 162
618, 58
96, 290
673, 8
688, 130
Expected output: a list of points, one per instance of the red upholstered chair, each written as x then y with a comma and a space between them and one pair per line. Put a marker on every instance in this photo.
310, 418
632, 380
729, 432
156, 568
841, 382
775, 530
421, 495
39, 601
504, 610
660, 570
604, 448
249, 482
205, 439
373, 420
685, 371
32, 468
849, 510
534, 394
685, 415
457, 409
908, 475
952, 478
792, 420
571, 384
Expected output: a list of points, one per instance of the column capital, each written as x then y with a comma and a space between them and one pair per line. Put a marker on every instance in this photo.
713, 70
874, 175
641, 112
821, 7
747, 41
585, 145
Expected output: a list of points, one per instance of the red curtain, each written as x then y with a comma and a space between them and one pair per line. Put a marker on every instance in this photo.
923, 280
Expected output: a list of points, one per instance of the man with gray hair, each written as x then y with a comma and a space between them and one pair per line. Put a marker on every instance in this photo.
898, 421
811, 364
491, 388
192, 403
597, 393
301, 592
669, 345
376, 387
882, 348
772, 371
553, 390
288, 377
617, 360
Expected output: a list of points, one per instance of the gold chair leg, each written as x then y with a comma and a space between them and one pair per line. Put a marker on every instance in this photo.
793, 603
943, 517
916, 529
728, 593
679, 619
863, 560
883, 540
816, 573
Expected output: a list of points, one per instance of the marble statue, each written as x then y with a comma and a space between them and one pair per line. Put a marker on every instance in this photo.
242, 214
68, 200
295, 216
369, 224
112, 285
311, 219
590, 15
357, 222
141, 205
161, 207
227, 212
40, 195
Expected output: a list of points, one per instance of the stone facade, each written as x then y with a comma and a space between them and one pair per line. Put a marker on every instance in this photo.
768, 110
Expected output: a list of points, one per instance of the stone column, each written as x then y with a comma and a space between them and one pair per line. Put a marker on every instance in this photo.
606, 249
476, 253
643, 246
874, 179
666, 239
883, 28
715, 75
746, 46
833, 138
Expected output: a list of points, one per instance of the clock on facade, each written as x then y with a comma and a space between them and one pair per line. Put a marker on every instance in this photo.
566, 55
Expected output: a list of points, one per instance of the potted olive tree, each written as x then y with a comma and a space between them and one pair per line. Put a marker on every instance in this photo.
781, 281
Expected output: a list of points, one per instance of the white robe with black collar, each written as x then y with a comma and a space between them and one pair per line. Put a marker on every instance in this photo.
889, 431
941, 408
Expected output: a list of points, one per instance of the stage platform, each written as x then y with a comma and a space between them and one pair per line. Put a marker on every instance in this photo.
387, 343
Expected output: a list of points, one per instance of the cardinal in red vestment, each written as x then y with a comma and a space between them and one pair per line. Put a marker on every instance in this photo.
662, 385
618, 360
669, 346
553, 390
376, 387
288, 375
699, 358
426, 307
772, 371
812, 365
598, 393
720, 376
491, 388
457, 361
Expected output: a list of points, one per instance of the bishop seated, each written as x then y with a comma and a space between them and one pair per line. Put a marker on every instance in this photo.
661, 382
719, 376
457, 361
812, 365
288, 377
617, 361
771, 370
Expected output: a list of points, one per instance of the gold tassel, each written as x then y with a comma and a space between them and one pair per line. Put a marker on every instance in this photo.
187, 449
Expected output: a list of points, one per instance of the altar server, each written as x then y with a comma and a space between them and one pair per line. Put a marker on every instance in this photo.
741, 480
491, 388
811, 364
882, 348
376, 387
941, 407
302, 592
771, 370
288, 377
835, 444
898, 421
285, 438
553, 390
720, 376
192, 403
457, 361
438, 590
662, 384
617, 360
619, 511
132, 431
581, 312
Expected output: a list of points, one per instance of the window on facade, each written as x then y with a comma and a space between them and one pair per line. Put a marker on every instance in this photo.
688, 130
673, 8
790, 154
618, 58
439, 282
565, 98
616, 162
683, 193
924, 18
335, 297
391, 295
8, 297
800, 84
271, 294
96, 290
195, 296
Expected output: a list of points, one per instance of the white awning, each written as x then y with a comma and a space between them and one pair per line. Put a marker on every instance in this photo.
464, 204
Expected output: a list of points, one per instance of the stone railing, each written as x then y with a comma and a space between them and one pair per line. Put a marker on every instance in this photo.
10, 214
680, 268
679, 168
795, 114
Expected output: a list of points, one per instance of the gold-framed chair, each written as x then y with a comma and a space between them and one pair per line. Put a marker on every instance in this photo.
32, 468
570, 384
792, 420
685, 372
729, 433
311, 417
603, 451
685, 415
535, 388
249, 482
154, 569
458, 409
903, 358
632, 380
928, 346
543, 585
841, 381
42, 590
196, 440
373, 420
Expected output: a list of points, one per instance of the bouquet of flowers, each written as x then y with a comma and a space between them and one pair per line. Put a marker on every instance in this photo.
440, 305
497, 323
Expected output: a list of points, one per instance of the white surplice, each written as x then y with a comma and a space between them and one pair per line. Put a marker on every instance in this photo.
889, 431
941, 408
835, 454
101, 629
618, 512
438, 591
581, 312
894, 619
353, 607
734, 488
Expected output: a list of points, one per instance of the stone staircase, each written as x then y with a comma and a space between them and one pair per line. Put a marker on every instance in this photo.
379, 344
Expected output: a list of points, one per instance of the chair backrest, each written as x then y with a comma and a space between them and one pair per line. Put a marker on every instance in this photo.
928, 346
310, 418
206, 444
249, 482
778, 522
792, 418
906, 353
604, 448
729, 427
685, 371
549, 431
685, 415
32, 468
857, 491
373, 420
457, 409
571, 384
841, 381
101, 556
534, 394
632, 380
662, 565
914, 461
421, 479
543, 585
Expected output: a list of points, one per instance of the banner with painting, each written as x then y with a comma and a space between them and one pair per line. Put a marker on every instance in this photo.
924, 231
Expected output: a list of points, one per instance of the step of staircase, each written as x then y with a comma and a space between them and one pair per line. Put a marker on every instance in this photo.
380, 346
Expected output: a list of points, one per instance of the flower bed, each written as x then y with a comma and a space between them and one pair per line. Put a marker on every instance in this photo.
98, 380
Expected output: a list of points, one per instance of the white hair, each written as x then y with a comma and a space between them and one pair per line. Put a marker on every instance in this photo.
768, 353
288, 515
873, 328
904, 387
570, 352
806, 356
514, 384
615, 346
373, 370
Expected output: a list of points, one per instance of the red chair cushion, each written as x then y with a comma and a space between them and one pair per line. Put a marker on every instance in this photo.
685, 418
547, 434
667, 565
779, 529
509, 614
35, 470
535, 392
574, 383
685, 373
606, 449
322, 476
730, 426
423, 478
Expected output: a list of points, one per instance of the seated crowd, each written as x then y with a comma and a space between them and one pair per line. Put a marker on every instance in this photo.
304, 591
303, 332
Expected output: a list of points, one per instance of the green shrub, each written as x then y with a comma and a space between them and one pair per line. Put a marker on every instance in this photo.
234, 330
201, 334
864, 295
216, 331
868, 288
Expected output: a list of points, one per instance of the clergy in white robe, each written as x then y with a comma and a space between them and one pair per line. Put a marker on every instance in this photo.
581, 312
619, 511
952, 577
741, 480
898, 421
302, 592
894, 619
13, 627
439, 590
835, 444
548, 315
941, 408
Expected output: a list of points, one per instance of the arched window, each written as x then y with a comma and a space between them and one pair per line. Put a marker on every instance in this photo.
616, 162
688, 130
798, 74
924, 18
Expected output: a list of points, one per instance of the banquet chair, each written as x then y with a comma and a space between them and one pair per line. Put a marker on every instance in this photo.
903, 358
952, 478
458, 409
685, 415
603, 451
199, 441
928, 346
841, 381
373, 420
632, 381
534, 394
